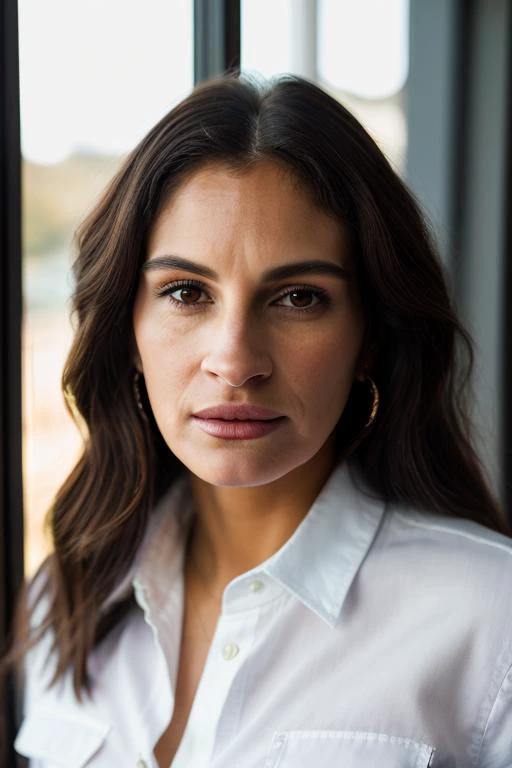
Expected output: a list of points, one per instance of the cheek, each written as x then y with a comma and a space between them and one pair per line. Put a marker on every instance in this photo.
154, 335
165, 358
323, 373
324, 370
329, 357
168, 363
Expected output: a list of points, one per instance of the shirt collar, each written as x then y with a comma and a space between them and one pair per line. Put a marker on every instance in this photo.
320, 560
317, 564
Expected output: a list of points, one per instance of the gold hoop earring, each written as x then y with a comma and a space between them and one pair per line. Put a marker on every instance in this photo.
136, 392
375, 402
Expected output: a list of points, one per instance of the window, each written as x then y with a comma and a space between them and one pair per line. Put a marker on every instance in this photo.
356, 49
94, 77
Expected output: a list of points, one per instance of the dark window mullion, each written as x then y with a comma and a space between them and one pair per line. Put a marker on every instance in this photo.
216, 37
507, 292
11, 512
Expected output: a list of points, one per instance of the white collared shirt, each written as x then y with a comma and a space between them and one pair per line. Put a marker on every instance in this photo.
376, 637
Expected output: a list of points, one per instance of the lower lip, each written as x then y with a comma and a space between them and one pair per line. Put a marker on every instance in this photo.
238, 430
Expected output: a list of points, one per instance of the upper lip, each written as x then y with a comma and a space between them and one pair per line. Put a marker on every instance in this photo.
238, 412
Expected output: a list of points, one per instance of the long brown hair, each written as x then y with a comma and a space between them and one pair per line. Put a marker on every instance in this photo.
419, 450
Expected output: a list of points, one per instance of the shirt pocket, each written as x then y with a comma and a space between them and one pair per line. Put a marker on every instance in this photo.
346, 749
59, 740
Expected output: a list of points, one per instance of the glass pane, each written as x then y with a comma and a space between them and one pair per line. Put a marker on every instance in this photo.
357, 50
94, 77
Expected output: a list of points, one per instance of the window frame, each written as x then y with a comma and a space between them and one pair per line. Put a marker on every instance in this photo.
11, 492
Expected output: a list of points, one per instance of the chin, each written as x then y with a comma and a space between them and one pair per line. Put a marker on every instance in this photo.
237, 472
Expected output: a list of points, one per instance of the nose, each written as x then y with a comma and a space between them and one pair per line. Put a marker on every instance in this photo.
238, 351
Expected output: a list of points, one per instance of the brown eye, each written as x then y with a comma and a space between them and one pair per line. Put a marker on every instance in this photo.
301, 298
183, 293
189, 295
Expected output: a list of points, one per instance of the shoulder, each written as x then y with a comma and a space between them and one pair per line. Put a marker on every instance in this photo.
455, 537
466, 565
450, 582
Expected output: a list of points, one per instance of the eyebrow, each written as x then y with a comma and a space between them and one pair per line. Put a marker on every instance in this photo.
276, 273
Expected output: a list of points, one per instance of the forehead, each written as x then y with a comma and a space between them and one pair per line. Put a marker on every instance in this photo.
219, 180
264, 203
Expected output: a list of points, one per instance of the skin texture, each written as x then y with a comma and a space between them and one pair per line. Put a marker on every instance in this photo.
237, 340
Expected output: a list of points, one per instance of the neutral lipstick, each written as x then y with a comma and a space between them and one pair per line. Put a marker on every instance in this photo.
238, 422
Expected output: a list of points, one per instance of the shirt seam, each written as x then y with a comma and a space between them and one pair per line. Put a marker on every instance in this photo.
455, 532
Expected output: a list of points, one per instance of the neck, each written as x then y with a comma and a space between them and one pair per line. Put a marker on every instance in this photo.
237, 528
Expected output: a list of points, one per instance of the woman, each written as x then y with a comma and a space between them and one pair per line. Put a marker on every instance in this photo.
278, 547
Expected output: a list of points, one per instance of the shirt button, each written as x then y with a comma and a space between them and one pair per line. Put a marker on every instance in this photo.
255, 586
141, 764
230, 650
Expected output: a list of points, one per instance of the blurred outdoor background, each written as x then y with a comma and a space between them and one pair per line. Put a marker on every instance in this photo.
95, 76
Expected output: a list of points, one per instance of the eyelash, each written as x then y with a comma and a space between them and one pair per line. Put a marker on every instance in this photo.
169, 288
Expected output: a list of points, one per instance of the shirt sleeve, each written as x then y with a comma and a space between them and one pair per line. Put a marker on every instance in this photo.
496, 750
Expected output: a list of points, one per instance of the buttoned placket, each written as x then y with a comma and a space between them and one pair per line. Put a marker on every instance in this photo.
234, 637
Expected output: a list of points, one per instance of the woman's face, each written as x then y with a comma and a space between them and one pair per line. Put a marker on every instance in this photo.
239, 335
